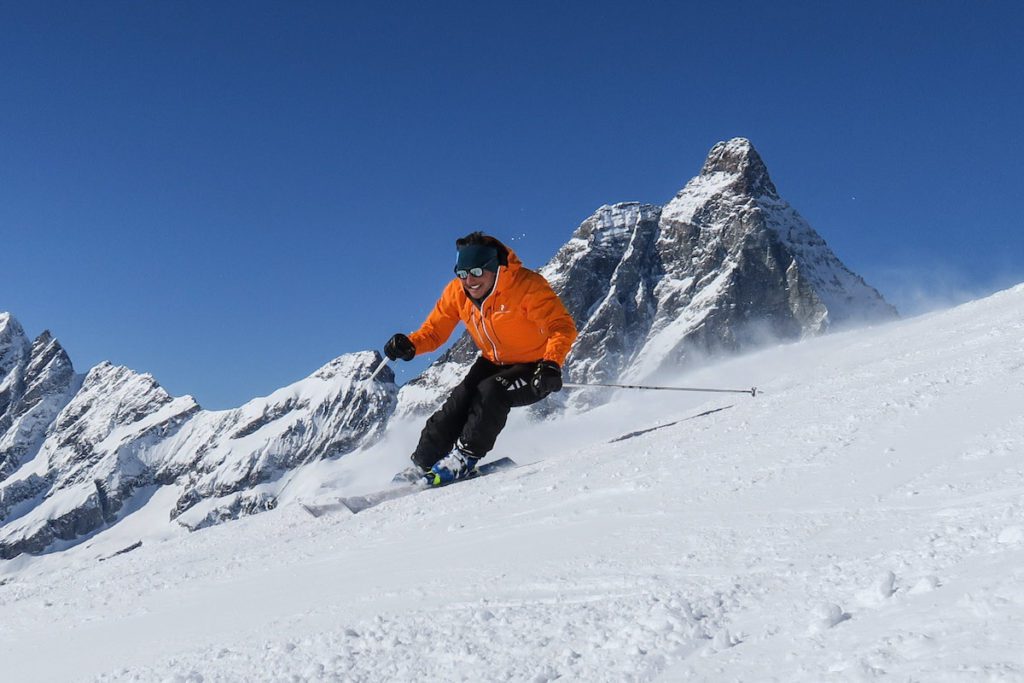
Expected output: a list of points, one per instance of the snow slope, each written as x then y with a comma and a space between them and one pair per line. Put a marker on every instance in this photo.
863, 517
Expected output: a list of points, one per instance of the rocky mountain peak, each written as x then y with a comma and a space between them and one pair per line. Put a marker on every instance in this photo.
14, 345
45, 350
36, 382
5, 320
738, 158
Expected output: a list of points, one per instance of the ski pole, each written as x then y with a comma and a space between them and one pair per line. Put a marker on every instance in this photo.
752, 391
381, 366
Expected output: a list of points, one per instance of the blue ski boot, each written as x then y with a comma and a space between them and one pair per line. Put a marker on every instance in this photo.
456, 465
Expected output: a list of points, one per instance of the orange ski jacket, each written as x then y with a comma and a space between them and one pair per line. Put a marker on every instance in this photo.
522, 320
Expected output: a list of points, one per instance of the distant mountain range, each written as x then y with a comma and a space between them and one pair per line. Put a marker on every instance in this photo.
724, 266
78, 453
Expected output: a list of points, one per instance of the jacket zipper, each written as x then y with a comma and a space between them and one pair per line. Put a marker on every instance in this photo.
483, 322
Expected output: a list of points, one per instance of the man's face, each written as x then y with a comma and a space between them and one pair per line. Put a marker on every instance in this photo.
479, 287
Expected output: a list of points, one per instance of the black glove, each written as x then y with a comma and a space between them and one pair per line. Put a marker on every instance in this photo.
399, 346
547, 378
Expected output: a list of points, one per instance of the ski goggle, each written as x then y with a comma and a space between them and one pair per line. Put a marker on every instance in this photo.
478, 271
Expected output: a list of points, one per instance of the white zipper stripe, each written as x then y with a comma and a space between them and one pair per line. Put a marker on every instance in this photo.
483, 322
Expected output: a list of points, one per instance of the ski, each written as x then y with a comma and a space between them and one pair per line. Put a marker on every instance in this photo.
356, 504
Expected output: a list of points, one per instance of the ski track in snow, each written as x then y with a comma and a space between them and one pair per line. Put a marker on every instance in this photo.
863, 518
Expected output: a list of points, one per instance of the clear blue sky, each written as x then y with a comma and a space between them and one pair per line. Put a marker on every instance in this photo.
229, 194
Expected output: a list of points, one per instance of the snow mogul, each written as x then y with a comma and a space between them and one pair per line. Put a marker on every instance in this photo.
523, 332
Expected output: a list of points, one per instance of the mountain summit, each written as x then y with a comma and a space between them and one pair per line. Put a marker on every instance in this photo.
739, 159
740, 267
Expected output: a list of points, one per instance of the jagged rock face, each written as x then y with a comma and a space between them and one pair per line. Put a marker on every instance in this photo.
96, 455
738, 161
118, 436
724, 266
14, 350
607, 275
36, 381
742, 267
107, 431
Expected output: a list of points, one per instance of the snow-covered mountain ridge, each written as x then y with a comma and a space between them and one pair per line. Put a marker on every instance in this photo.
862, 518
78, 453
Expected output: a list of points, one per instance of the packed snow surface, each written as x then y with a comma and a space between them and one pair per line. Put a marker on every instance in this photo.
862, 517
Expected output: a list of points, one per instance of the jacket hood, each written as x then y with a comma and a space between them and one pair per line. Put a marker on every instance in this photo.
506, 274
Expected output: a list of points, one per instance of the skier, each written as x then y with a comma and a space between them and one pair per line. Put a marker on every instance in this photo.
523, 332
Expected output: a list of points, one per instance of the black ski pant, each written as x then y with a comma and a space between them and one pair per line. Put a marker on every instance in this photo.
476, 411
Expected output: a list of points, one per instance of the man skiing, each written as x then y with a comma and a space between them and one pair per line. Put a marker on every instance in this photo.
523, 332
